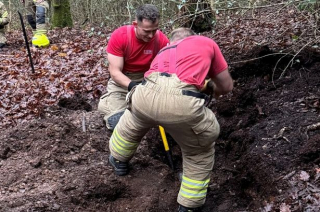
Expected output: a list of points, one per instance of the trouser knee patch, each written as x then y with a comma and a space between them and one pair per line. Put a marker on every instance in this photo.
41, 15
113, 120
31, 21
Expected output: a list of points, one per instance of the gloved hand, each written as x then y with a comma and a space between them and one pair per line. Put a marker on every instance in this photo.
208, 87
132, 84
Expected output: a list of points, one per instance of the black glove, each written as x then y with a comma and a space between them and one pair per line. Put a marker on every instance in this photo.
131, 85
208, 87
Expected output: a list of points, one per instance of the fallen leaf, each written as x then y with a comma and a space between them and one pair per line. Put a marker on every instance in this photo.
54, 47
61, 54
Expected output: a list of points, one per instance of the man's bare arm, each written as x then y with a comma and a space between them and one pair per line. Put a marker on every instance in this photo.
223, 83
115, 68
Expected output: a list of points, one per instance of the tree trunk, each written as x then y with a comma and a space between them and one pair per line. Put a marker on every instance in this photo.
61, 16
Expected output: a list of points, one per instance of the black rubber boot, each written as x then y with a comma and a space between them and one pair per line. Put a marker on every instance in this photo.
121, 168
185, 209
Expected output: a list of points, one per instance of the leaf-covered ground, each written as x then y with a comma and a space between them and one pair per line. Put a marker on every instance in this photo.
53, 145
75, 62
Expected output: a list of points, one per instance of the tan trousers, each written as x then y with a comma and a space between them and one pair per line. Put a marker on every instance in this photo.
114, 101
193, 126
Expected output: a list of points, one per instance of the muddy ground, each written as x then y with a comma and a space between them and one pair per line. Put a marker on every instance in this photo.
267, 155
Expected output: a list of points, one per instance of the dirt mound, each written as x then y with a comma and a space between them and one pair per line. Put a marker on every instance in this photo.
267, 155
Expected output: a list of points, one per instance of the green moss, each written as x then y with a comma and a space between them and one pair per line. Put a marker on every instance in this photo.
61, 16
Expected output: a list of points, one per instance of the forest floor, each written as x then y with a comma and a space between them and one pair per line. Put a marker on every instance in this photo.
53, 144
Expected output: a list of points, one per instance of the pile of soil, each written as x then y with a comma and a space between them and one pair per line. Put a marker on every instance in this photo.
267, 155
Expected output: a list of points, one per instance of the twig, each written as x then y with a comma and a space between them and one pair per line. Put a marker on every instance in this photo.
83, 122
195, 14
291, 61
312, 127
288, 176
260, 7
278, 136
7, 55
257, 58
274, 70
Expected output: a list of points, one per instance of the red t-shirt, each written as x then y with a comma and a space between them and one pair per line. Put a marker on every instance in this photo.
140, 53
196, 57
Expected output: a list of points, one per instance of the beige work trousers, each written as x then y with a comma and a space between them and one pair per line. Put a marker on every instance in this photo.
114, 100
193, 126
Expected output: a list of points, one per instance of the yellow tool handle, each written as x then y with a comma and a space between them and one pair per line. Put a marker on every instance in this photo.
164, 138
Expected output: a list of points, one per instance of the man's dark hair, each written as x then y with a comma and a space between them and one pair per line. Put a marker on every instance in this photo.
180, 33
148, 12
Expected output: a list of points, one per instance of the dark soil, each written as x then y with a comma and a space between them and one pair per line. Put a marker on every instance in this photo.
267, 155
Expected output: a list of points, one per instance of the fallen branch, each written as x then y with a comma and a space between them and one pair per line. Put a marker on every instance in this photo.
83, 122
312, 127
278, 136
257, 58
291, 61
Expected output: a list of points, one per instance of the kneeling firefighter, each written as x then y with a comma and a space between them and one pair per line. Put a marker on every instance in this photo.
171, 95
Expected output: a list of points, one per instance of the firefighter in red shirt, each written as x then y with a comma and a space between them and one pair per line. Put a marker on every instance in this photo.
130, 52
169, 96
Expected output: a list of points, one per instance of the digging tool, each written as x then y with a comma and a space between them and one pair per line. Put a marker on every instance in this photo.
27, 43
166, 146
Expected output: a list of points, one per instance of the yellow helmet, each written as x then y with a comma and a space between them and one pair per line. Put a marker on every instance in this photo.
40, 40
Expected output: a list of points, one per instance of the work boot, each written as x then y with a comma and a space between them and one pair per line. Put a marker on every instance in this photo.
185, 209
40, 40
121, 168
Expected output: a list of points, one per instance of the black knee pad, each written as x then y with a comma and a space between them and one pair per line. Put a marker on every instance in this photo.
31, 21
114, 119
41, 15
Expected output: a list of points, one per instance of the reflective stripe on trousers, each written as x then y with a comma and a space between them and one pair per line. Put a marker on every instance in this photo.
193, 189
121, 146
